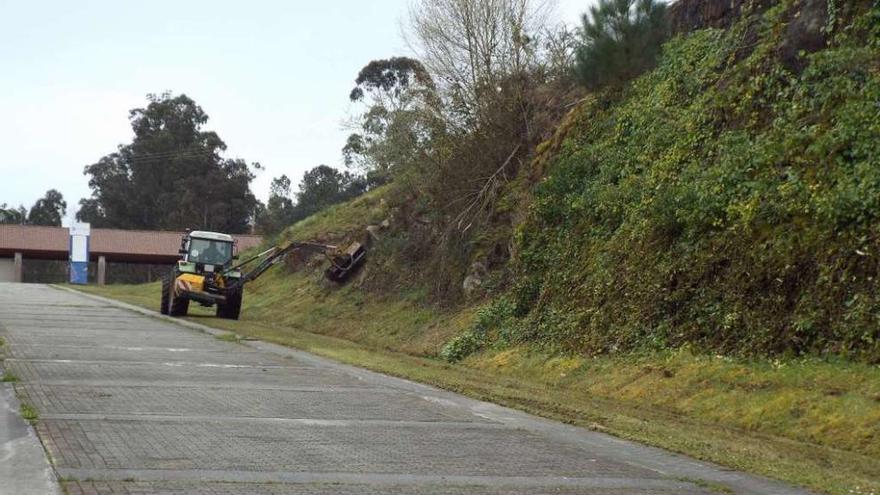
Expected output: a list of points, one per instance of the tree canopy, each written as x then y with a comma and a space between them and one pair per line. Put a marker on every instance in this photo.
323, 186
48, 210
401, 116
12, 215
171, 176
620, 40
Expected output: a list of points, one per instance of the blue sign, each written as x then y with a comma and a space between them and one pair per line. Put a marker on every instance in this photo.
79, 253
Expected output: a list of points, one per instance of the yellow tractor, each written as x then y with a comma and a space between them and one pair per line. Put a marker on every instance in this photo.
208, 274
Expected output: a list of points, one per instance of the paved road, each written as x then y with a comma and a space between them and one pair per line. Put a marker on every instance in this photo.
131, 403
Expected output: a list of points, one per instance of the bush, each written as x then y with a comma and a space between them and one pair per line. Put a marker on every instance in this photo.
496, 318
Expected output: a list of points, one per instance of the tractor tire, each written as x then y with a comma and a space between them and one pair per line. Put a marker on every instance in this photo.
166, 295
231, 309
177, 306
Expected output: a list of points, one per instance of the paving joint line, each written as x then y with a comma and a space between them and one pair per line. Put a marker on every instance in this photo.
201, 419
219, 385
368, 478
180, 364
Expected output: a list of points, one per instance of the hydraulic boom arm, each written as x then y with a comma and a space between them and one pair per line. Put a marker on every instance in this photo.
341, 263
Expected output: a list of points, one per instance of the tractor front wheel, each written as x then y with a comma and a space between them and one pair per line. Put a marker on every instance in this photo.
231, 309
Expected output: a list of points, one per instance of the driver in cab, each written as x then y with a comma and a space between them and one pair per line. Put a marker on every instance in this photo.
213, 255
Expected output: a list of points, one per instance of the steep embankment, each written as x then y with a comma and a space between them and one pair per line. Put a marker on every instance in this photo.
728, 199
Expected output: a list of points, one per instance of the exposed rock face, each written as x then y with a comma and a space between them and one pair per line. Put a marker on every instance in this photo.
804, 32
690, 15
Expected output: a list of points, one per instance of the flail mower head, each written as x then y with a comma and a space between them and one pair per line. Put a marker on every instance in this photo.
344, 263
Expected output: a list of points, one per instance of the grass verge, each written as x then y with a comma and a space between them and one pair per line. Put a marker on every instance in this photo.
809, 422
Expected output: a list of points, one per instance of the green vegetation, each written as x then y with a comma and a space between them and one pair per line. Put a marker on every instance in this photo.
157, 181
342, 220
29, 413
8, 377
229, 337
319, 188
728, 200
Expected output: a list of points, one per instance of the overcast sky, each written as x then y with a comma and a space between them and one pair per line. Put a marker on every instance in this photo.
273, 76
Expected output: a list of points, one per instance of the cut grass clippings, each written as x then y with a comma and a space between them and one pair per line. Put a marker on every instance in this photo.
809, 422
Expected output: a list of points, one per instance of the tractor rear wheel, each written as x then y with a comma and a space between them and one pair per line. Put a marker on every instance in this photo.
166, 294
231, 309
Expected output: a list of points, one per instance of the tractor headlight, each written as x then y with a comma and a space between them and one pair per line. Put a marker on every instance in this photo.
186, 267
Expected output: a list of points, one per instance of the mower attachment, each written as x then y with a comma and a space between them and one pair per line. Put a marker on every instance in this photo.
344, 263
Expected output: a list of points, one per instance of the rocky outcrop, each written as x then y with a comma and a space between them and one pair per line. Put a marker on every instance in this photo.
805, 30
690, 15
474, 280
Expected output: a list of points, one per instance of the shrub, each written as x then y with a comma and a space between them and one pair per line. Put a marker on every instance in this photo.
496, 318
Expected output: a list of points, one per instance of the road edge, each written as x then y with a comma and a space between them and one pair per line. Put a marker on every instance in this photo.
24, 462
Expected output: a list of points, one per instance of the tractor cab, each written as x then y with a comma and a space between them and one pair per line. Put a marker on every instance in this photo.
207, 251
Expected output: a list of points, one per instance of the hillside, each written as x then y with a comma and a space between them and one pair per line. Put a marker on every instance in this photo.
690, 260
727, 200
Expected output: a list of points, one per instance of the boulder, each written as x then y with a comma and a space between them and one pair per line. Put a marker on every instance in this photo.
474, 279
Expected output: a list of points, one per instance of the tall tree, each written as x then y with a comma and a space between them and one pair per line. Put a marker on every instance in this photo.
400, 119
90, 211
620, 40
171, 176
48, 210
472, 46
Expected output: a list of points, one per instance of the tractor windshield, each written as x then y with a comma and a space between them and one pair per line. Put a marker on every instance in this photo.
210, 252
